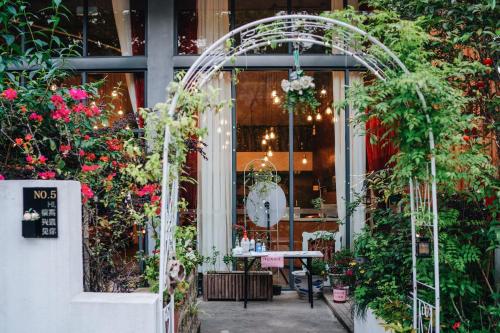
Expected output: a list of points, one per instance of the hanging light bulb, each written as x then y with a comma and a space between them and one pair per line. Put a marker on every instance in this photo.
304, 159
219, 130
328, 110
264, 142
314, 129
323, 92
120, 112
272, 135
270, 152
53, 87
267, 137
273, 93
319, 117
266, 158
114, 93
309, 117
276, 100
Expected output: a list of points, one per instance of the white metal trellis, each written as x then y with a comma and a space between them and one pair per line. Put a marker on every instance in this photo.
305, 30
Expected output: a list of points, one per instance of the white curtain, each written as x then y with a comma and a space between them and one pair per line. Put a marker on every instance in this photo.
357, 161
121, 10
214, 174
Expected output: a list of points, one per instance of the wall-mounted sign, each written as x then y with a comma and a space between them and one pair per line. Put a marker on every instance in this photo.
39, 212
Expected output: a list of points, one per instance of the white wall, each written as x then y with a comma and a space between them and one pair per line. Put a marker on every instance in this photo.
41, 280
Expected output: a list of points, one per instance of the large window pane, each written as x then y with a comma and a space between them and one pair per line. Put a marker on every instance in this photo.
200, 23
116, 27
312, 7
123, 93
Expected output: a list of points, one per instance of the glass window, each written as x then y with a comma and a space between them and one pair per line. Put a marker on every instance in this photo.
116, 28
200, 23
123, 93
70, 28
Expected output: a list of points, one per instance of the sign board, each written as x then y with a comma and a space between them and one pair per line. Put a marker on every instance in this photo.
275, 261
41, 203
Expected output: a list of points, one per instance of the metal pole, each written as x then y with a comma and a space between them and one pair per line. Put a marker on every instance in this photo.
347, 140
290, 194
413, 254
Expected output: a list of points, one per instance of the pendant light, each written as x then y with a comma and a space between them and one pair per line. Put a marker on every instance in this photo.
266, 136
264, 142
309, 118
328, 110
270, 152
318, 116
304, 159
272, 135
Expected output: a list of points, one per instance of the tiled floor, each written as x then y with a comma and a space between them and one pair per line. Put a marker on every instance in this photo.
285, 314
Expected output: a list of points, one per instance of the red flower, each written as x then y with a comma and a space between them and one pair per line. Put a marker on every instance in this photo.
47, 175
35, 117
87, 193
114, 163
487, 61
23, 109
456, 326
62, 113
28, 137
42, 159
104, 159
86, 137
349, 272
29, 159
111, 176
489, 201
64, 149
155, 198
146, 189
9, 94
78, 108
19, 141
57, 100
113, 144
2, 177
78, 94
466, 138
90, 168
92, 111
90, 157
81, 153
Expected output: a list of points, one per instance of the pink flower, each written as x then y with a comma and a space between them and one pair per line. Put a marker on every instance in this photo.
349, 272
2, 177
146, 189
78, 108
35, 117
47, 175
81, 153
29, 159
78, 94
87, 193
64, 149
9, 94
42, 159
92, 111
62, 113
90, 168
28, 137
456, 326
18, 141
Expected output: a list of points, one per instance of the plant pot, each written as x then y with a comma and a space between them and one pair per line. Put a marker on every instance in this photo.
31, 229
276, 290
335, 279
300, 282
340, 294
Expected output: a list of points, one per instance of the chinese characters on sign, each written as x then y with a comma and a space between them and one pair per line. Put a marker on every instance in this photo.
272, 261
42, 200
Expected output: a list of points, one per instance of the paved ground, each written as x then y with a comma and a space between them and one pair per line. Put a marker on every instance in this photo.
285, 314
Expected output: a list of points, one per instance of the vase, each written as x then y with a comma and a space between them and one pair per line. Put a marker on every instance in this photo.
300, 282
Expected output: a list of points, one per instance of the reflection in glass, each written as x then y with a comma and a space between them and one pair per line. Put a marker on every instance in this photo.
123, 93
116, 27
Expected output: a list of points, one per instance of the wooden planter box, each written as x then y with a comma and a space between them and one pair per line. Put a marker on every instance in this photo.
228, 286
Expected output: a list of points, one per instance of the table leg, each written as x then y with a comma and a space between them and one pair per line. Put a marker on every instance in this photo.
309, 281
245, 282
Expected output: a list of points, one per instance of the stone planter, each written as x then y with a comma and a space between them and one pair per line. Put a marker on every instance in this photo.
228, 286
300, 281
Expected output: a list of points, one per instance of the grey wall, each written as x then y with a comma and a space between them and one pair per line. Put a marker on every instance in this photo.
160, 49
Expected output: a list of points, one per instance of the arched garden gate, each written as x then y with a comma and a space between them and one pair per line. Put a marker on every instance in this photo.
341, 38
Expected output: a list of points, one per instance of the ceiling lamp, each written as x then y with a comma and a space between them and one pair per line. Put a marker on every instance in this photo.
319, 117
269, 152
276, 100
323, 92
266, 158
328, 110
267, 137
304, 159
264, 142
272, 135
309, 117
120, 112
273, 93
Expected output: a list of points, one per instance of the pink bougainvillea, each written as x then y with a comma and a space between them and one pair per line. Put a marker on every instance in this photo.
47, 175
2, 177
78, 94
87, 193
9, 94
90, 168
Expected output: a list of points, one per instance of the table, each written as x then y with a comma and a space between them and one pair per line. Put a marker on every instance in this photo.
301, 255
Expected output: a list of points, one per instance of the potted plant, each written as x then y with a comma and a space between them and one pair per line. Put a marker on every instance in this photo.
319, 270
341, 274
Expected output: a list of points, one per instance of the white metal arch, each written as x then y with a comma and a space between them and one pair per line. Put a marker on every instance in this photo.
304, 30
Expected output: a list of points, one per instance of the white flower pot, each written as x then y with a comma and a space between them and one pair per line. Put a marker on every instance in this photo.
300, 281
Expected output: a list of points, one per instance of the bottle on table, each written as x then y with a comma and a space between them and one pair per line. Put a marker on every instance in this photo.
264, 247
252, 244
245, 243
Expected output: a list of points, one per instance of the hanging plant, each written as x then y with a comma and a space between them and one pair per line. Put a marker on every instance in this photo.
300, 93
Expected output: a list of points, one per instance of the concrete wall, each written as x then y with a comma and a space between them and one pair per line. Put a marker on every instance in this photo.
41, 280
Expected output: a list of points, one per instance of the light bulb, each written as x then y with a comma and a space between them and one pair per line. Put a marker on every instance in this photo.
276, 100
266, 136
319, 117
114, 93
323, 92
273, 93
266, 158
120, 112
272, 135
269, 153
264, 141
309, 117
219, 130
53, 87
328, 110
304, 159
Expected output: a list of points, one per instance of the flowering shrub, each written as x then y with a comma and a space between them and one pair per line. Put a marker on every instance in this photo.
300, 95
